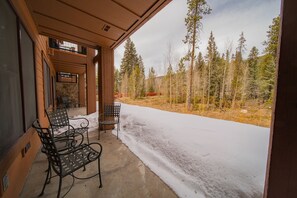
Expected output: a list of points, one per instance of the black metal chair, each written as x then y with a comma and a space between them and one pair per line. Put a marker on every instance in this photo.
110, 116
60, 124
66, 162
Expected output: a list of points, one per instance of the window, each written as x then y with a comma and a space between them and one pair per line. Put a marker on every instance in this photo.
28, 75
17, 79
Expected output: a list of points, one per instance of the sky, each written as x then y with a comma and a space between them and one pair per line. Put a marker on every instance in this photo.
227, 20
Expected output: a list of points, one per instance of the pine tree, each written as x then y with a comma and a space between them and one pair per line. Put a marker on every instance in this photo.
116, 81
130, 58
253, 84
196, 10
124, 84
203, 76
141, 77
229, 81
268, 66
181, 83
238, 69
132, 77
169, 80
212, 69
198, 80
226, 63
272, 38
267, 77
151, 80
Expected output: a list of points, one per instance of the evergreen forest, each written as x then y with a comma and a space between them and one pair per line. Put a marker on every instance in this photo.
238, 78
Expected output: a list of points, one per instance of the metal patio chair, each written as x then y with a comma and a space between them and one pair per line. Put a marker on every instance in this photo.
68, 161
60, 124
110, 116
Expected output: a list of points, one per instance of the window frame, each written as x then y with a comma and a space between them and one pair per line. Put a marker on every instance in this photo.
49, 95
23, 129
19, 24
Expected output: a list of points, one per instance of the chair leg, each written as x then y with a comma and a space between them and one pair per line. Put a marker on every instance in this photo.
100, 181
50, 174
117, 131
60, 185
99, 132
46, 179
88, 136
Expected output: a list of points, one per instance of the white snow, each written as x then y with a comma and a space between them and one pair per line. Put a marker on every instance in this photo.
196, 156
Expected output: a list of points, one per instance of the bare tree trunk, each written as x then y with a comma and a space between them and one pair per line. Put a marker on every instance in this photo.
223, 86
176, 88
235, 94
190, 87
208, 89
195, 87
245, 75
189, 93
170, 90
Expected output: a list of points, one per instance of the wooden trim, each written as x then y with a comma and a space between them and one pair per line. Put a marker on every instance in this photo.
50, 82
13, 152
21, 73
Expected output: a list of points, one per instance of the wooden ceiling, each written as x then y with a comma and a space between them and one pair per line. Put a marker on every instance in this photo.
69, 62
92, 23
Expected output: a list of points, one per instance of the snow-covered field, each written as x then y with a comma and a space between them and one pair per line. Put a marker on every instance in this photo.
197, 156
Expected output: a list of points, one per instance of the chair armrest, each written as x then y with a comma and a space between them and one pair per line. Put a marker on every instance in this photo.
82, 124
69, 132
83, 146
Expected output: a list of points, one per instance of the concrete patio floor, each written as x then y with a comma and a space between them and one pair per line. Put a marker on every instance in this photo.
123, 175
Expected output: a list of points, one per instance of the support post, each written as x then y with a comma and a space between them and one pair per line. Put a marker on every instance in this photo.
105, 78
281, 175
91, 82
82, 90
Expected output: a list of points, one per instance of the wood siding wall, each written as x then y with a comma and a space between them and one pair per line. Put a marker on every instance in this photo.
13, 164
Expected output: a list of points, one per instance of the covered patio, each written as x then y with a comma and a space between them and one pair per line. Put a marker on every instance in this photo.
32, 65
123, 175
28, 69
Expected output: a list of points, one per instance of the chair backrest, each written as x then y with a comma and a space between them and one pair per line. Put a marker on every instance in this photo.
48, 144
58, 118
112, 110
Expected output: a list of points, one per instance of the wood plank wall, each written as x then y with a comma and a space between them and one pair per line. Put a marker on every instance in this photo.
13, 164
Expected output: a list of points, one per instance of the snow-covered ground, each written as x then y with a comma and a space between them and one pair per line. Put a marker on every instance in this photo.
196, 156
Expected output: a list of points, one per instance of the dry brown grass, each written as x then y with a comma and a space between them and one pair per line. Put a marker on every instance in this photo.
255, 115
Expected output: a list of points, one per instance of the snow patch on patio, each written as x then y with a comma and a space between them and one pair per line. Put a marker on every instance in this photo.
196, 156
